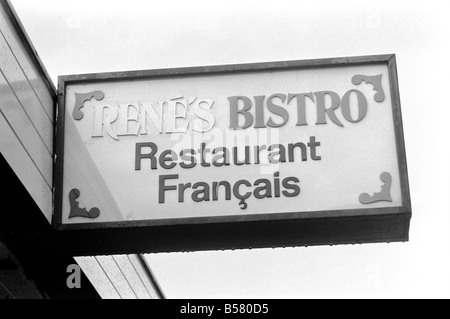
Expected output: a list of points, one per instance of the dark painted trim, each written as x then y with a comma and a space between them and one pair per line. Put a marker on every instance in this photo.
243, 235
58, 163
225, 69
287, 216
399, 134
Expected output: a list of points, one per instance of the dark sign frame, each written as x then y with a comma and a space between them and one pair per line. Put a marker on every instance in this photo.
367, 225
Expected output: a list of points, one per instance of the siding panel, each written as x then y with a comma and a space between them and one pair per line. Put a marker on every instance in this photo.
26, 63
26, 112
24, 92
132, 276
116, 276
98, 277
25, 130
25, 169
148, 284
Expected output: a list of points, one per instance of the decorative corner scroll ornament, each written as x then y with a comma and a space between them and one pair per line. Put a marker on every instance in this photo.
383, 196
76, 211
375, 80
80, 98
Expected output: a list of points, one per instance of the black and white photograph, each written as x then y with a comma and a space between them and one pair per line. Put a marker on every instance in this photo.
224, 155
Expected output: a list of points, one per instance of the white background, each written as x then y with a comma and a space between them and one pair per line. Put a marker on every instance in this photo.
103, 36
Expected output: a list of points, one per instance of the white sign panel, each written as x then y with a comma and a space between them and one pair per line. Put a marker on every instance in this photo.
231, 143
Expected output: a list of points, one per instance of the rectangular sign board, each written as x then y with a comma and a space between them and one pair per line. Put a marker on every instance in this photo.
235, 156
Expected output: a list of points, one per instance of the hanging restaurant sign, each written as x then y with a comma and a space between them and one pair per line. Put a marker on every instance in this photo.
237, 156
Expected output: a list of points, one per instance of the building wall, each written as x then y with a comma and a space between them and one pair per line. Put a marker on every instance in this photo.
26, 112
27, 106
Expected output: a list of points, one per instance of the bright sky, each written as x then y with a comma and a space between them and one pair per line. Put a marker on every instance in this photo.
87, 36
